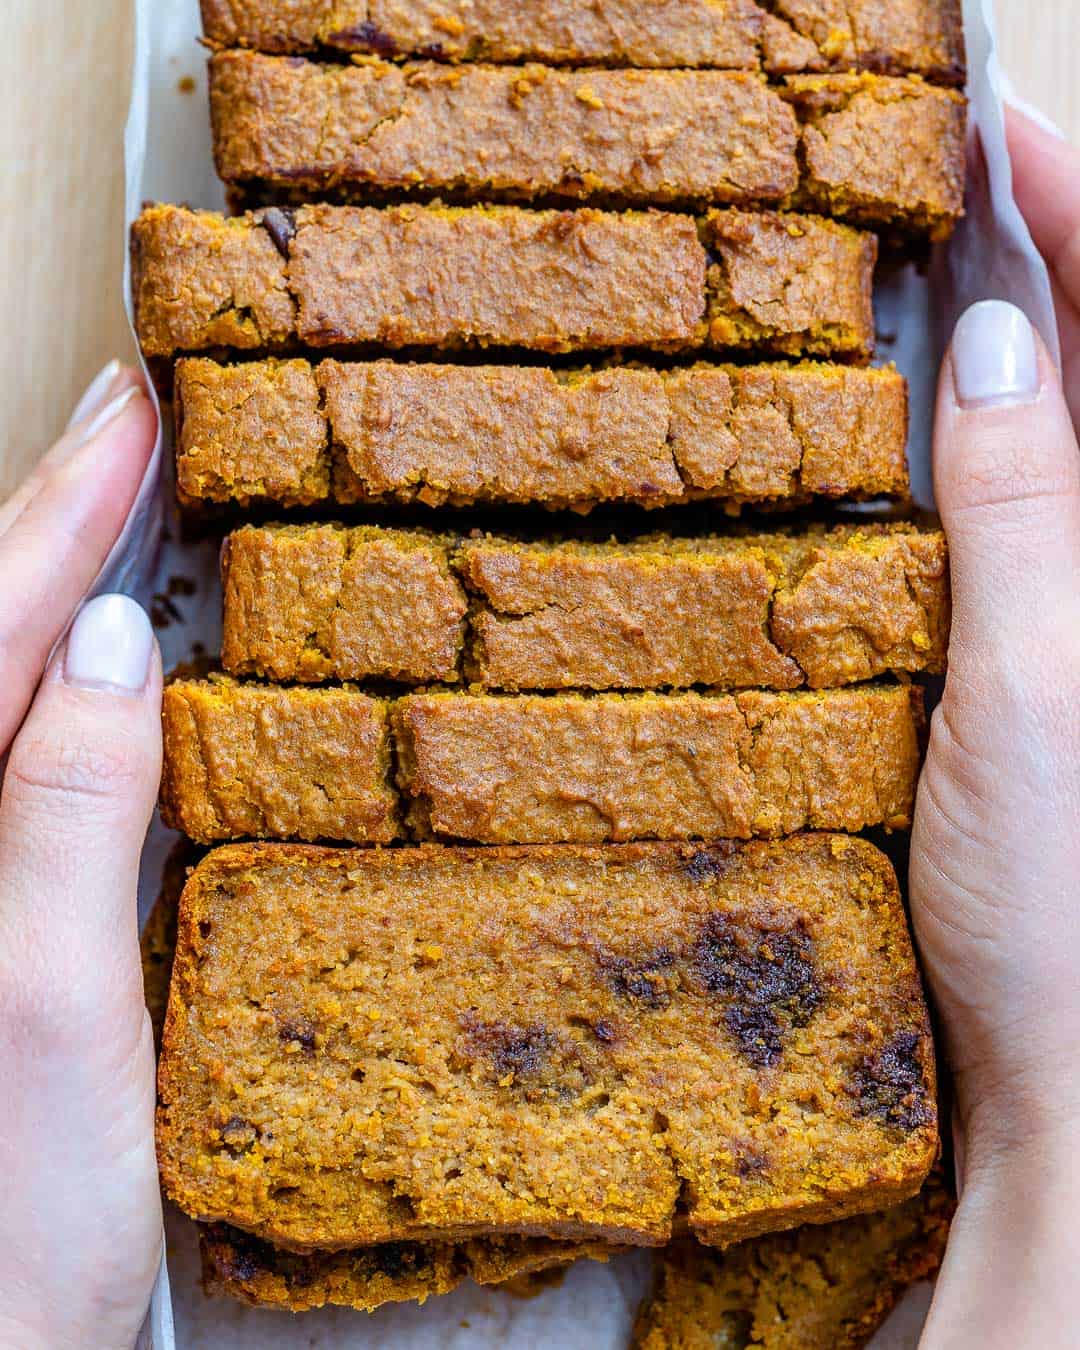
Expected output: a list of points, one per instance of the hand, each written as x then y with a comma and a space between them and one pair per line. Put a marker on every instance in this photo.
78, 1180
995, 872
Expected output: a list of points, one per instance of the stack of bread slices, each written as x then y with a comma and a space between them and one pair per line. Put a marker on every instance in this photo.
536, 922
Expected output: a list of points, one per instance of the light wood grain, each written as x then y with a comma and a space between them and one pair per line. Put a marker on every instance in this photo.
63, 96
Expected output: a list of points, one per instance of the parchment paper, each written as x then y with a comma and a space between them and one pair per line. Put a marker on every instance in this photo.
168, 158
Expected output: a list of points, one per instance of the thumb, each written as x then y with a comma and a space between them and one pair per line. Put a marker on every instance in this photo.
76, 1053
1007, 478
77, 799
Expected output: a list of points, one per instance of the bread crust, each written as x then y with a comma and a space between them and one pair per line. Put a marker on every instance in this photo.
449, 277
298, 434
923, 37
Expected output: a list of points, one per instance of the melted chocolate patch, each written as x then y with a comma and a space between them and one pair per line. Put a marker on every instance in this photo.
891, 1086
518, 1051
367, 35
604, 1031
237, 1256
648, 981
767, 977
708, 864
531, 1058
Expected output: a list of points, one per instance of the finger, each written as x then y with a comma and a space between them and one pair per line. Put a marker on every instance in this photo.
74, 1039
77, 798
113, 380
51, 553
1007, 476
1046, 182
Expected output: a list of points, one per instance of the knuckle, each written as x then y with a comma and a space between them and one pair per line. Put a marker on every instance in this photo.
1028, 464
46, 769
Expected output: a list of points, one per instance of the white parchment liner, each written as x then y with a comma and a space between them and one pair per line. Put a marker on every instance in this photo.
168, 158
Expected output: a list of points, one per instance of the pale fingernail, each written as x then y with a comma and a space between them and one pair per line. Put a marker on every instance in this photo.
94, 397
110, 646
994, 357
89, 428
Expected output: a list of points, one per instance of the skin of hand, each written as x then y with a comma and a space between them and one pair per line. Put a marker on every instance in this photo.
995, 870
81, 730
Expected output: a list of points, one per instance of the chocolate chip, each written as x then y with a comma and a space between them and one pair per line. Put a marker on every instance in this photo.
279, 222
765, 975
520, 1051
890, 1085
238, 1135
647, 980
300, 1032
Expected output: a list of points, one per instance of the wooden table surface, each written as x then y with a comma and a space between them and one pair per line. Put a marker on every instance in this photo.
63, 95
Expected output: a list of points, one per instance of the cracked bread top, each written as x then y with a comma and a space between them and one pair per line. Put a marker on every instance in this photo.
587, 769
512, 131
554, 281
818, 608
366, 1046
357, 432
257, 761
862, 147
786, 36
327, 602
315, 602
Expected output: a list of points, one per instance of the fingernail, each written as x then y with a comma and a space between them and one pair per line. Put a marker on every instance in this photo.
100, 420
95, 394
110, 646
994, 357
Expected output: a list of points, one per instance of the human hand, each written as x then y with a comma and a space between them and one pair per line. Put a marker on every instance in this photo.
995, 871
78, 1180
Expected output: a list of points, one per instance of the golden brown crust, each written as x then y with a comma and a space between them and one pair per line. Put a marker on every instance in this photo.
885, 152
584, 770
320, 602
797, 285
157, 942
823, 609
550, 280
252, 431
200, 280
788, 36
251, 761
824, 1288
388, 1045
553, 281
461, 434
722, 33
510, 131
366, 1278
888, 153
891, 37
